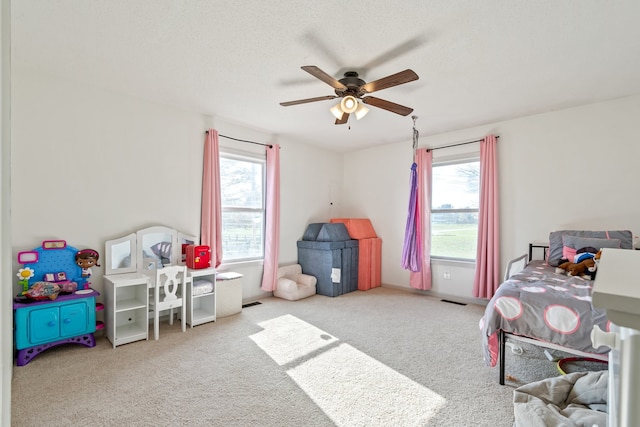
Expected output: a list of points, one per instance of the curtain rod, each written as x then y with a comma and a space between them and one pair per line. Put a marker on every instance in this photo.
460, 143
243, 140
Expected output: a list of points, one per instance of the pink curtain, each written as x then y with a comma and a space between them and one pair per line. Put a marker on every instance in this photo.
211, 221
422, 279
272, 219
487, 276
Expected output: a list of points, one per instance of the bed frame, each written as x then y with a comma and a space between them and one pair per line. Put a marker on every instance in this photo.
495, 338
502, 343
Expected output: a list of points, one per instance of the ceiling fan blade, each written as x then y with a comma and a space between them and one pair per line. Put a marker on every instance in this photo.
317, 45
387, 105
343, 119
396, 79
319, 74
395, 52
304, 101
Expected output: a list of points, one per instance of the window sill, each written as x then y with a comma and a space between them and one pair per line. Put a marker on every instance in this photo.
238, 264
452, 261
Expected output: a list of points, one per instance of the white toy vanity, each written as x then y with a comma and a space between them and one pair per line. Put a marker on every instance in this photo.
130, 264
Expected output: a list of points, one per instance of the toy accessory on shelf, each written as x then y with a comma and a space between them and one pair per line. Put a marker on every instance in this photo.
198, 256
25, 274
42, 291
86, 259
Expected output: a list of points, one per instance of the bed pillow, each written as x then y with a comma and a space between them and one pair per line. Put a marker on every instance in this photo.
572, 243
577, 242
556, 245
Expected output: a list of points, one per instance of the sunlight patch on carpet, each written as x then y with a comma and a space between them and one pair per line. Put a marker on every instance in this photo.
287, 338
351, 387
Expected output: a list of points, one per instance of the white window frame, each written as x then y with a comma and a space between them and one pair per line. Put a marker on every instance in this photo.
252, 158
457, 160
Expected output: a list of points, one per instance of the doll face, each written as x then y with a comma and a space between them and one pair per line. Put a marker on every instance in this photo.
86, 262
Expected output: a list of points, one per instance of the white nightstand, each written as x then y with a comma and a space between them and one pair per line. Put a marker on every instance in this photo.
617, 290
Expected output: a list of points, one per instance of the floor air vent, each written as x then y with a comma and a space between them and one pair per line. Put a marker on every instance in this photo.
251, 304
453, 302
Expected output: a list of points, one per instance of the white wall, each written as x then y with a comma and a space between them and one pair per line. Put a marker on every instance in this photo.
91, 165
574, 168
6, 270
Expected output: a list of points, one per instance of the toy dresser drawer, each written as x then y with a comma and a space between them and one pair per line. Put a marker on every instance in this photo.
43, 325
50, 322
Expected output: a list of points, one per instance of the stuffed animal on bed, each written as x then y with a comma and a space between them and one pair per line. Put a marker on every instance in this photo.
585, 269
598, 255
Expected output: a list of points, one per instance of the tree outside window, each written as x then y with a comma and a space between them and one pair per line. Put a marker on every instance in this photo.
242, 193
455, 197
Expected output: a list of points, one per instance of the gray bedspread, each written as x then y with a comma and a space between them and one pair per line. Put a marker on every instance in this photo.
541, 304
572, 400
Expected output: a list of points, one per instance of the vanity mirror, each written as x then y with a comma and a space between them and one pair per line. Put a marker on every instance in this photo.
118, 255
157, 247
146, 249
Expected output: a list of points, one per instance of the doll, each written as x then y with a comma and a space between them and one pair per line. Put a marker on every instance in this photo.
86, 259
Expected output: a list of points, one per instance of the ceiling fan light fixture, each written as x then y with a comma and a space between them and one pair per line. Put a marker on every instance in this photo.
361, 111
351, 85
337, 111
349, 104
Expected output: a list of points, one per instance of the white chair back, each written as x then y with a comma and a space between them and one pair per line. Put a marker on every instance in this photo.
169, 293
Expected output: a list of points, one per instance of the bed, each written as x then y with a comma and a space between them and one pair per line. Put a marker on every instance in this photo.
548, 308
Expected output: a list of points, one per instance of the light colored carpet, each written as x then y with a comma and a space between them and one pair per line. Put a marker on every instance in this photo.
383, 357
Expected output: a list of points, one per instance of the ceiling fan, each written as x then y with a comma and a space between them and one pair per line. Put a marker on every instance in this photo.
351, 88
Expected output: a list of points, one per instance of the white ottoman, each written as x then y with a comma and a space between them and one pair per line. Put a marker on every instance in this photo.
228, 294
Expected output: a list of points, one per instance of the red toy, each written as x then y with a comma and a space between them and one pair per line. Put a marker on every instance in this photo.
198, 256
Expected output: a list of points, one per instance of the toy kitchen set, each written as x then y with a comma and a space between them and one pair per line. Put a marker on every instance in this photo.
56, 304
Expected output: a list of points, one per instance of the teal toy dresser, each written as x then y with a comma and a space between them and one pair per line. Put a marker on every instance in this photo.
43, 321
44, 324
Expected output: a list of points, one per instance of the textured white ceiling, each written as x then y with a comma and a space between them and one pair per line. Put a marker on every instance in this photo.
478, 61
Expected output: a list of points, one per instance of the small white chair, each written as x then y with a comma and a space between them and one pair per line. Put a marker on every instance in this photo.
293, 284
168, 293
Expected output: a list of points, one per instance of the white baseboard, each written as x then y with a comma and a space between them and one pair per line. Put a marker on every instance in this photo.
454, 298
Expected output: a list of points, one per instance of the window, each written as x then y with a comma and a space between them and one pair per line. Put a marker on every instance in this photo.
242, 194
455, 199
